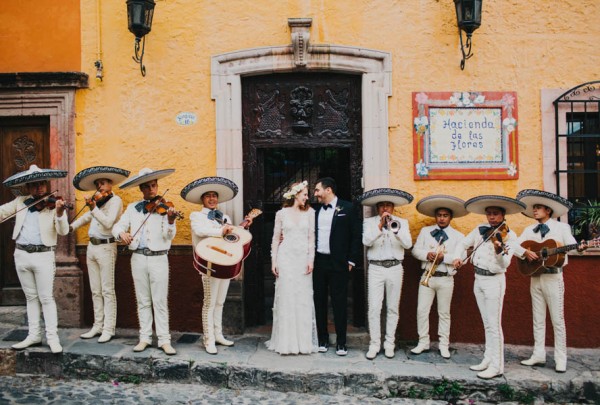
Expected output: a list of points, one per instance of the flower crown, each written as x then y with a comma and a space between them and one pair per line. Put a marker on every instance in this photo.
291, 193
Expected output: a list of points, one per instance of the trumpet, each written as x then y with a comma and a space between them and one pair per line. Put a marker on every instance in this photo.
391, 224
433, 265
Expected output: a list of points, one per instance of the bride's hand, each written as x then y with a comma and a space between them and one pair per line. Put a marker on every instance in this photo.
274, 271
309, 269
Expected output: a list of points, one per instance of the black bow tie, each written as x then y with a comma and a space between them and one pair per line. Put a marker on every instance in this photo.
484, 230
542, 229
327, 206
29, 201
141, 206
439, 235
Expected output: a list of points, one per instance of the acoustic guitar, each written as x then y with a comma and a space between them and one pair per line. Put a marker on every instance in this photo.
551, 254
222, 257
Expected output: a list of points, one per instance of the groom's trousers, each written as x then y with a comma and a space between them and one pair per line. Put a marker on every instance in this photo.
330, 279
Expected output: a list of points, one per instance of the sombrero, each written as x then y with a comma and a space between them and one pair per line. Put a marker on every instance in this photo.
145, 176
84, 180
428, 205
558, 204
477, 205
33, 174
377, 195
225, 188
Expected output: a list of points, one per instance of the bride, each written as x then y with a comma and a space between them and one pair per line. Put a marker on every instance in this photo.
292, 254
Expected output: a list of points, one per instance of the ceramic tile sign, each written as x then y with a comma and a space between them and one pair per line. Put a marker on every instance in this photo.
186, 119
465, 135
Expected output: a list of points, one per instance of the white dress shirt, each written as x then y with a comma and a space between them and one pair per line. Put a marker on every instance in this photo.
102, 219
156, 235
324, 226
426, 243
559, 231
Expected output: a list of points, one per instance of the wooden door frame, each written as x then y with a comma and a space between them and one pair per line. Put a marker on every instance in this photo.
227, 70
52, 94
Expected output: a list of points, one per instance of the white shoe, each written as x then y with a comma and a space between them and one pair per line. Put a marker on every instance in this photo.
105, 337
561, 367
372, 352
211, 349
389, 352
168, 349
140, 347
92, 333
420, 348
489, 373
533, 361
445, 352
55, 347
481, 366
220, 340
28, 342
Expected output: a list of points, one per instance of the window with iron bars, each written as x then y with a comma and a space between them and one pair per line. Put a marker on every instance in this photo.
577, 115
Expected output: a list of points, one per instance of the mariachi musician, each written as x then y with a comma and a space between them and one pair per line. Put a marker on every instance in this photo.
434, 247
40, 217
148, 227
547, 288
493, 247
210, 222
105, 208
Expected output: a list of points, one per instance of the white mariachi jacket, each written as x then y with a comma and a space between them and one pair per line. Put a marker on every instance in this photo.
426, 243
158, 233
202, 227
105, 217
50, 224
385, 244
559, 231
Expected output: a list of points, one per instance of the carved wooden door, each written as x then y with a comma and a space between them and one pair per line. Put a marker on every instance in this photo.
24, 141
297, 126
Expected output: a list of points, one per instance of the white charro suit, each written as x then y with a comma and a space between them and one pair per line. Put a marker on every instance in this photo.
548, 289
440, 285
489, 289
36, 270
150, 268
215, 289
384, 245
101, 258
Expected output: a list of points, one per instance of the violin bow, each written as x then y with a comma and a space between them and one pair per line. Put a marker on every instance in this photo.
28, 206
148, 215
82, 208
483, 241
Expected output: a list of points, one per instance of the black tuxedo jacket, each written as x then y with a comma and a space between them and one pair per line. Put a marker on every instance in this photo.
345, 241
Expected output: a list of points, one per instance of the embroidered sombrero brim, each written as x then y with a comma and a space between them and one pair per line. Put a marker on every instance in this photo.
477, 205
84, 180
145, 176
377, 195
531, 197
225, 188
32, 175
428, 205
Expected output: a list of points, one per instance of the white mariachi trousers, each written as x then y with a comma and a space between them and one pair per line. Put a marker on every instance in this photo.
389, 281
151, 281
489, 293
442, 287
549, 289
215, 293
101, 271
36, 274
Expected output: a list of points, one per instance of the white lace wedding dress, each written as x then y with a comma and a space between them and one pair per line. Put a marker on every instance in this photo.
294, 325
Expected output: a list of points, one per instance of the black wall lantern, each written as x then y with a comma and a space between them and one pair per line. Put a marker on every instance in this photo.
139, 18
468, 16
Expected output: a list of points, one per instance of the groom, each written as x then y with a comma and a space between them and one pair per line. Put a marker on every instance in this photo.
338, 239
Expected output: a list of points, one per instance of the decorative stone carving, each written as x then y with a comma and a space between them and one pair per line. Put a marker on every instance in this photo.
333, 112
269, 114
301, 108
300, 38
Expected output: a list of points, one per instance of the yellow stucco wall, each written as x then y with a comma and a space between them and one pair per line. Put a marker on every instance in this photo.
129, 121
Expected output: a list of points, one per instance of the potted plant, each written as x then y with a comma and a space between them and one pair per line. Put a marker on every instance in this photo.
587, 220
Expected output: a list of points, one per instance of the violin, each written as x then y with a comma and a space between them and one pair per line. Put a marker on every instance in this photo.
50, 203
500, 232
161, 207
98, 197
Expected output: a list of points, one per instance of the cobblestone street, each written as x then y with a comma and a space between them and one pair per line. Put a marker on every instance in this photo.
43, 390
